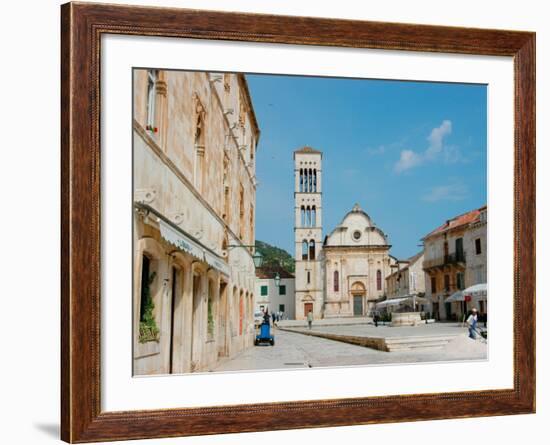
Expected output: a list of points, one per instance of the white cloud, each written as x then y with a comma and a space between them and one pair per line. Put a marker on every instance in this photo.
436, 138
451, 192
409, 158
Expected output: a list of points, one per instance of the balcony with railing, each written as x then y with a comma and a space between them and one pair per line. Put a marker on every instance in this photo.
452, 259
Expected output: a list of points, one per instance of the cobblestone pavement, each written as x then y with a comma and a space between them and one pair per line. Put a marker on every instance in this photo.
294, 350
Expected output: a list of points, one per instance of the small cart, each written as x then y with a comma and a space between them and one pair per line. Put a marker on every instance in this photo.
265, 335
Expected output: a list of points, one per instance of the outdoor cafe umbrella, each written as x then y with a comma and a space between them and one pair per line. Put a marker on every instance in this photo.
477, 291
404, 300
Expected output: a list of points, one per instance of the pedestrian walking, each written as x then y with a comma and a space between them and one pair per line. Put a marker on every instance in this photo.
472, 324
309, 319
266, 316
273, 316
376, 319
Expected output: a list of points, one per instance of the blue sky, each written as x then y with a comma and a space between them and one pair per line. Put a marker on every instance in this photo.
412, 154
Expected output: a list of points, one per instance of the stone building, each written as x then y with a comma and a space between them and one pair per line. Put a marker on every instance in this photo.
308, 232
455, 257
343, 275
275, 298
194, 142
407, 278
356, 262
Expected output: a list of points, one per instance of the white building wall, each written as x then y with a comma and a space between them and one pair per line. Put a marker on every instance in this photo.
273, 299
476, 263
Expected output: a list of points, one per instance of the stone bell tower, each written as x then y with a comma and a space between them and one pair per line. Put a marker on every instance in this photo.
308, 232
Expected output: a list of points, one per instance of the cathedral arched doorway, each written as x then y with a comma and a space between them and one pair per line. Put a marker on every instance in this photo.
358, 295
307, 302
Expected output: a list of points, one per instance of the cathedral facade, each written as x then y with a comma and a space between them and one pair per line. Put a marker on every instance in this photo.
344, 274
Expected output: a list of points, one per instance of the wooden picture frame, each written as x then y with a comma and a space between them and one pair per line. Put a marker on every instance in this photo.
82, 26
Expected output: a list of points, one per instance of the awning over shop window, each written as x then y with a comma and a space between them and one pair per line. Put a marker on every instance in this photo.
186, 243
180, 241
217, 263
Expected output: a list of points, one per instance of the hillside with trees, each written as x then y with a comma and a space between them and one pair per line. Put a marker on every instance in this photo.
274, 256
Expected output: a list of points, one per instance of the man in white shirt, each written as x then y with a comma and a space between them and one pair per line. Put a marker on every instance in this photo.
472, 323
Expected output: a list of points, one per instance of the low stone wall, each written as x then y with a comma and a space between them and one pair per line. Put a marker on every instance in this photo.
386, 344
368, 342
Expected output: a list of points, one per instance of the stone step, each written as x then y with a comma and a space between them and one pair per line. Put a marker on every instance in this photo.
424, 345
410, 343
419, 339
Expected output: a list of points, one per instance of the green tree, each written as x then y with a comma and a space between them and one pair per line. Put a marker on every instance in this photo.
274, 256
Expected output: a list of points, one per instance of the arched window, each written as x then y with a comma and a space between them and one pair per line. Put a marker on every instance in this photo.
336, 281
304, 250
378, 279
313, 217
310, 180
301, 185
200, 145
312, 250
152, 77
308, 216
314, 179
303, 216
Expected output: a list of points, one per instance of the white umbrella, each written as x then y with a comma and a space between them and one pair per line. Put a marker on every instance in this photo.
403, 300
477, 290
392, 302
457, 296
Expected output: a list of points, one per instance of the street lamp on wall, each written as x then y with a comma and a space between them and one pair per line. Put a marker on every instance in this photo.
258, 259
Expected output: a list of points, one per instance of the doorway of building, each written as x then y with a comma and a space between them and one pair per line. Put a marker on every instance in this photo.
358, 292
307, 308
448, 311
223, 346
196, 322
357, 305
172, 316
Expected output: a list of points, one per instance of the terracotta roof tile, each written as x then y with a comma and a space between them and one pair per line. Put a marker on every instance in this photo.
458, 221
268, 272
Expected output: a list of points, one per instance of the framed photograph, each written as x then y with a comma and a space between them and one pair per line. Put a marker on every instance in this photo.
275, 222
